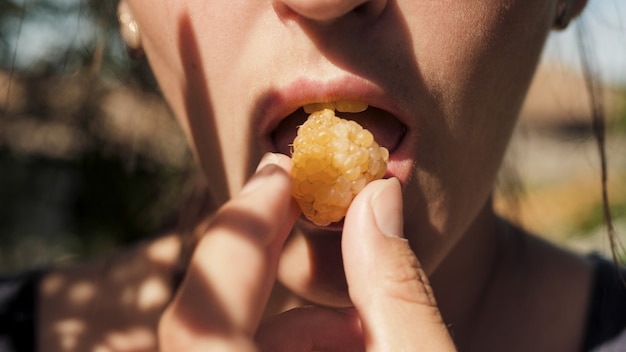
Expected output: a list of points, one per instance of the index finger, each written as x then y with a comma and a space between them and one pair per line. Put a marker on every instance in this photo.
234, 265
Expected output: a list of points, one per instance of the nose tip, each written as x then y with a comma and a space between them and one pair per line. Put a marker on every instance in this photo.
328, 10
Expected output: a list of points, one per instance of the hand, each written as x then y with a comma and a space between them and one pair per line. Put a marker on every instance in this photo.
222, 297
220, 302
394, 306
387, 285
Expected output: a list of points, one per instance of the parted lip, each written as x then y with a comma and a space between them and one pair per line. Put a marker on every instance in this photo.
282, 104
279, 113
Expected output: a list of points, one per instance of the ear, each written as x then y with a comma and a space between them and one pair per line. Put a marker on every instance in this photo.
129, 30
578, 7
566, 10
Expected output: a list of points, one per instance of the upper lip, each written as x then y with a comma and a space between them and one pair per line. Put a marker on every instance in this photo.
277, 104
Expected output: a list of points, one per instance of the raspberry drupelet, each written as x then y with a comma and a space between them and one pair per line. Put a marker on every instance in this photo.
333, 160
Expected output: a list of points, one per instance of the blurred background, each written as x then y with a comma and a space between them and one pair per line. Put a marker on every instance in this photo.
91, 159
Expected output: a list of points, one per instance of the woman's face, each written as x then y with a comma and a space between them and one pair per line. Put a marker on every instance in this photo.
444, 80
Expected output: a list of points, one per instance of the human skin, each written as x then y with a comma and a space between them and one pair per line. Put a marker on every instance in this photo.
450, 75
456, 71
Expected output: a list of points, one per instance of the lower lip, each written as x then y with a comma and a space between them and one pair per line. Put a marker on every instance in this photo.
400, 167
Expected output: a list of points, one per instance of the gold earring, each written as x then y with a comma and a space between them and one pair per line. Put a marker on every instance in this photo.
129, 30
563, 14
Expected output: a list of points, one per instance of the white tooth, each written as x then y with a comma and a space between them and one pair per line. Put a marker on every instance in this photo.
350, 106
311, 108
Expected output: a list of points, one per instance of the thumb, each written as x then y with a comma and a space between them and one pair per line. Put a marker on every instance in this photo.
386, 283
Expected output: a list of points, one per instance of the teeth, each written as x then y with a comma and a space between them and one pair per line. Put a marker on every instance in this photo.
351, 106
311, 108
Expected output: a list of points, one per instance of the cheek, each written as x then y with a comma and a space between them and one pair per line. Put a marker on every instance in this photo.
476, 77
194, 49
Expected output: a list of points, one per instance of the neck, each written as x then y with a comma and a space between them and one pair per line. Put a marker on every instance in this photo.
461, 281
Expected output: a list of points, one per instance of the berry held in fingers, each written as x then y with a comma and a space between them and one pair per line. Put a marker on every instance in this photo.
333, 160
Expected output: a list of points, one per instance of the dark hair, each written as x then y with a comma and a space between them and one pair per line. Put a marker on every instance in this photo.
598, 127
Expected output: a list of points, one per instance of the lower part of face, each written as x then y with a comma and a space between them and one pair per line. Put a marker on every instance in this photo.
457, 71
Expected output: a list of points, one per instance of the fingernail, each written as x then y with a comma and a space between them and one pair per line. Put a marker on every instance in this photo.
386, 204
267, 159
266, 167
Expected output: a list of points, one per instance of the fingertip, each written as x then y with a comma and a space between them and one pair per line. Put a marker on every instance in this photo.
281, 160
386, 204
375, 214
269, 165
284, 163
374, 221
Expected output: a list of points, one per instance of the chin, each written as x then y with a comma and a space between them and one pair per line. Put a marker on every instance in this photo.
311, 265
322, 294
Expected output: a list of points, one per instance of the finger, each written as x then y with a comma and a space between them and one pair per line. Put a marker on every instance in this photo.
386, 282
234, 264
308, 329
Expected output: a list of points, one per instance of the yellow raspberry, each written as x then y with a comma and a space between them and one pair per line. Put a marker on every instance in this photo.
333, 159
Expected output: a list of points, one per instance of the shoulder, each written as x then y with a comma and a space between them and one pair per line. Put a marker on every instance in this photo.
606, 319
103, 296
617, 344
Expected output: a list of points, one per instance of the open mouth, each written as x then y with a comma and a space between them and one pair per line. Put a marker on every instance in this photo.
388, 131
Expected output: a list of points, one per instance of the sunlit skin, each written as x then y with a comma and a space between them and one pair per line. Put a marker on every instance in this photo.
444, 81
465, 69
